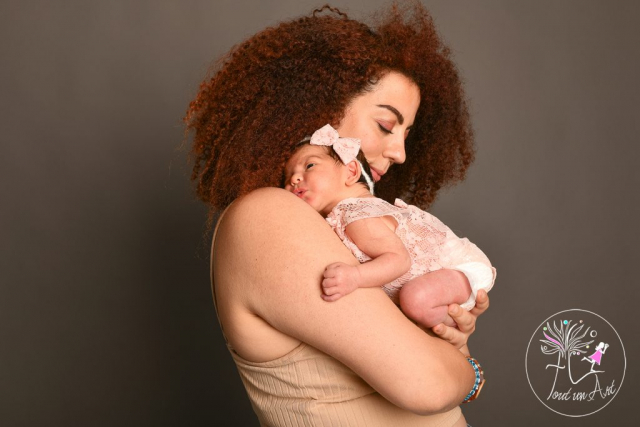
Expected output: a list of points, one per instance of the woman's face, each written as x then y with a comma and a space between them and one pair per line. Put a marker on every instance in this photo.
382, 119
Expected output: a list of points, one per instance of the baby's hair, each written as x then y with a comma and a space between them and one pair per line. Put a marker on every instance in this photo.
366, 169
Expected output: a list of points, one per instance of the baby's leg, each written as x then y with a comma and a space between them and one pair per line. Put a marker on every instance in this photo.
426, 299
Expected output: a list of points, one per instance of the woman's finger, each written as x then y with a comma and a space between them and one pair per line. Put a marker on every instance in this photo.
451, 335
482, 303
466, 321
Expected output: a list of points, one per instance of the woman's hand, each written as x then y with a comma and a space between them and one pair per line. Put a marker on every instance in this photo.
466, 321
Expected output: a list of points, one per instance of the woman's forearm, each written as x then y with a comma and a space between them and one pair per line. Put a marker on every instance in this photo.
449, 375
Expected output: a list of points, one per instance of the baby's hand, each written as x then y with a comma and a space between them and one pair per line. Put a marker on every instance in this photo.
340, 279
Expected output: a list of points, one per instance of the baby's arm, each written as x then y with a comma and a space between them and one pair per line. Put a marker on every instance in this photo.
390, 259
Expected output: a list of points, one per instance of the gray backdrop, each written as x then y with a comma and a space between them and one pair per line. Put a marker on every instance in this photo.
105, 311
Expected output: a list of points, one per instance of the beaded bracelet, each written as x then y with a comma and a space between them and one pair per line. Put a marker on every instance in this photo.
479, 382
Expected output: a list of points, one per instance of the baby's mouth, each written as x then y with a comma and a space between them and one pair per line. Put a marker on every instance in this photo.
299, 192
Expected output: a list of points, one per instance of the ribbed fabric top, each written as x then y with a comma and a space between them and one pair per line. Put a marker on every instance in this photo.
306, 387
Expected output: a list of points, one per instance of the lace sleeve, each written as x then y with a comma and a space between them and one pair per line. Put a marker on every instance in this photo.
354, 209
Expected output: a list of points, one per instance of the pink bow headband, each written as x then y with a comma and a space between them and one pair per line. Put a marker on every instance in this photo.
346, 148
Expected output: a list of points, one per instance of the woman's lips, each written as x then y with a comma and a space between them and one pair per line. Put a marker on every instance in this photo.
377, 174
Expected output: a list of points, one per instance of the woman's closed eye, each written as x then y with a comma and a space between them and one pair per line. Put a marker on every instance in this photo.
384, 129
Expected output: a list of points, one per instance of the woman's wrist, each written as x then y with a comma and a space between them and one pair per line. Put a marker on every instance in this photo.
478, 383
465, 350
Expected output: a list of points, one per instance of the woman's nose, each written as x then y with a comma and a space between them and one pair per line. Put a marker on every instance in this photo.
395, 150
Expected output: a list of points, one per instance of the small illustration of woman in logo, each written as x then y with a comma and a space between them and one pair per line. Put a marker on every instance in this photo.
597, 356
581, 389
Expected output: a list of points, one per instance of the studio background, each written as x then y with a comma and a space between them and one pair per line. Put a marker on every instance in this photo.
106, 315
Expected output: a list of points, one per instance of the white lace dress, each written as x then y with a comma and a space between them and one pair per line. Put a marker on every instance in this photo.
431, 244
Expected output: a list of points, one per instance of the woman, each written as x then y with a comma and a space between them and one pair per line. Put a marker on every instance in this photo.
356, 361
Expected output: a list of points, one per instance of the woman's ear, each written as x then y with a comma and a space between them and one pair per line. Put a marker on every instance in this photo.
353, 172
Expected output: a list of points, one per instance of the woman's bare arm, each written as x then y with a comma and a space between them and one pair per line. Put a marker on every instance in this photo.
277, 247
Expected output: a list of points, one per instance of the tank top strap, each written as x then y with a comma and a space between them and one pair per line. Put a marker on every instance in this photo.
213, 284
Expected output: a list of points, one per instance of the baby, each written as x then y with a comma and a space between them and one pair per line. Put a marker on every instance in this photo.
394, 243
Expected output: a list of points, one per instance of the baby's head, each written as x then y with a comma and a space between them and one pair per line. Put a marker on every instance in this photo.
326, 169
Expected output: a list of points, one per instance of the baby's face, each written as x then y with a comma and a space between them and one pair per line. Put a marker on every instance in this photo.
315, 177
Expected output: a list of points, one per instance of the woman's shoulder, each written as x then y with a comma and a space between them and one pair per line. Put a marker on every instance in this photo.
255, 234
268, 256
270, 220
266, 197
267, 205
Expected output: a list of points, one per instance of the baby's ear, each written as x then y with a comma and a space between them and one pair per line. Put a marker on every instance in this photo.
353, 172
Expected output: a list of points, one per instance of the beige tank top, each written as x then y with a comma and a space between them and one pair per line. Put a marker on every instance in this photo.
306, 387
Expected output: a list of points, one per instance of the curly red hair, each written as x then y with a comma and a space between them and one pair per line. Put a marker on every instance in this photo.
285, 82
